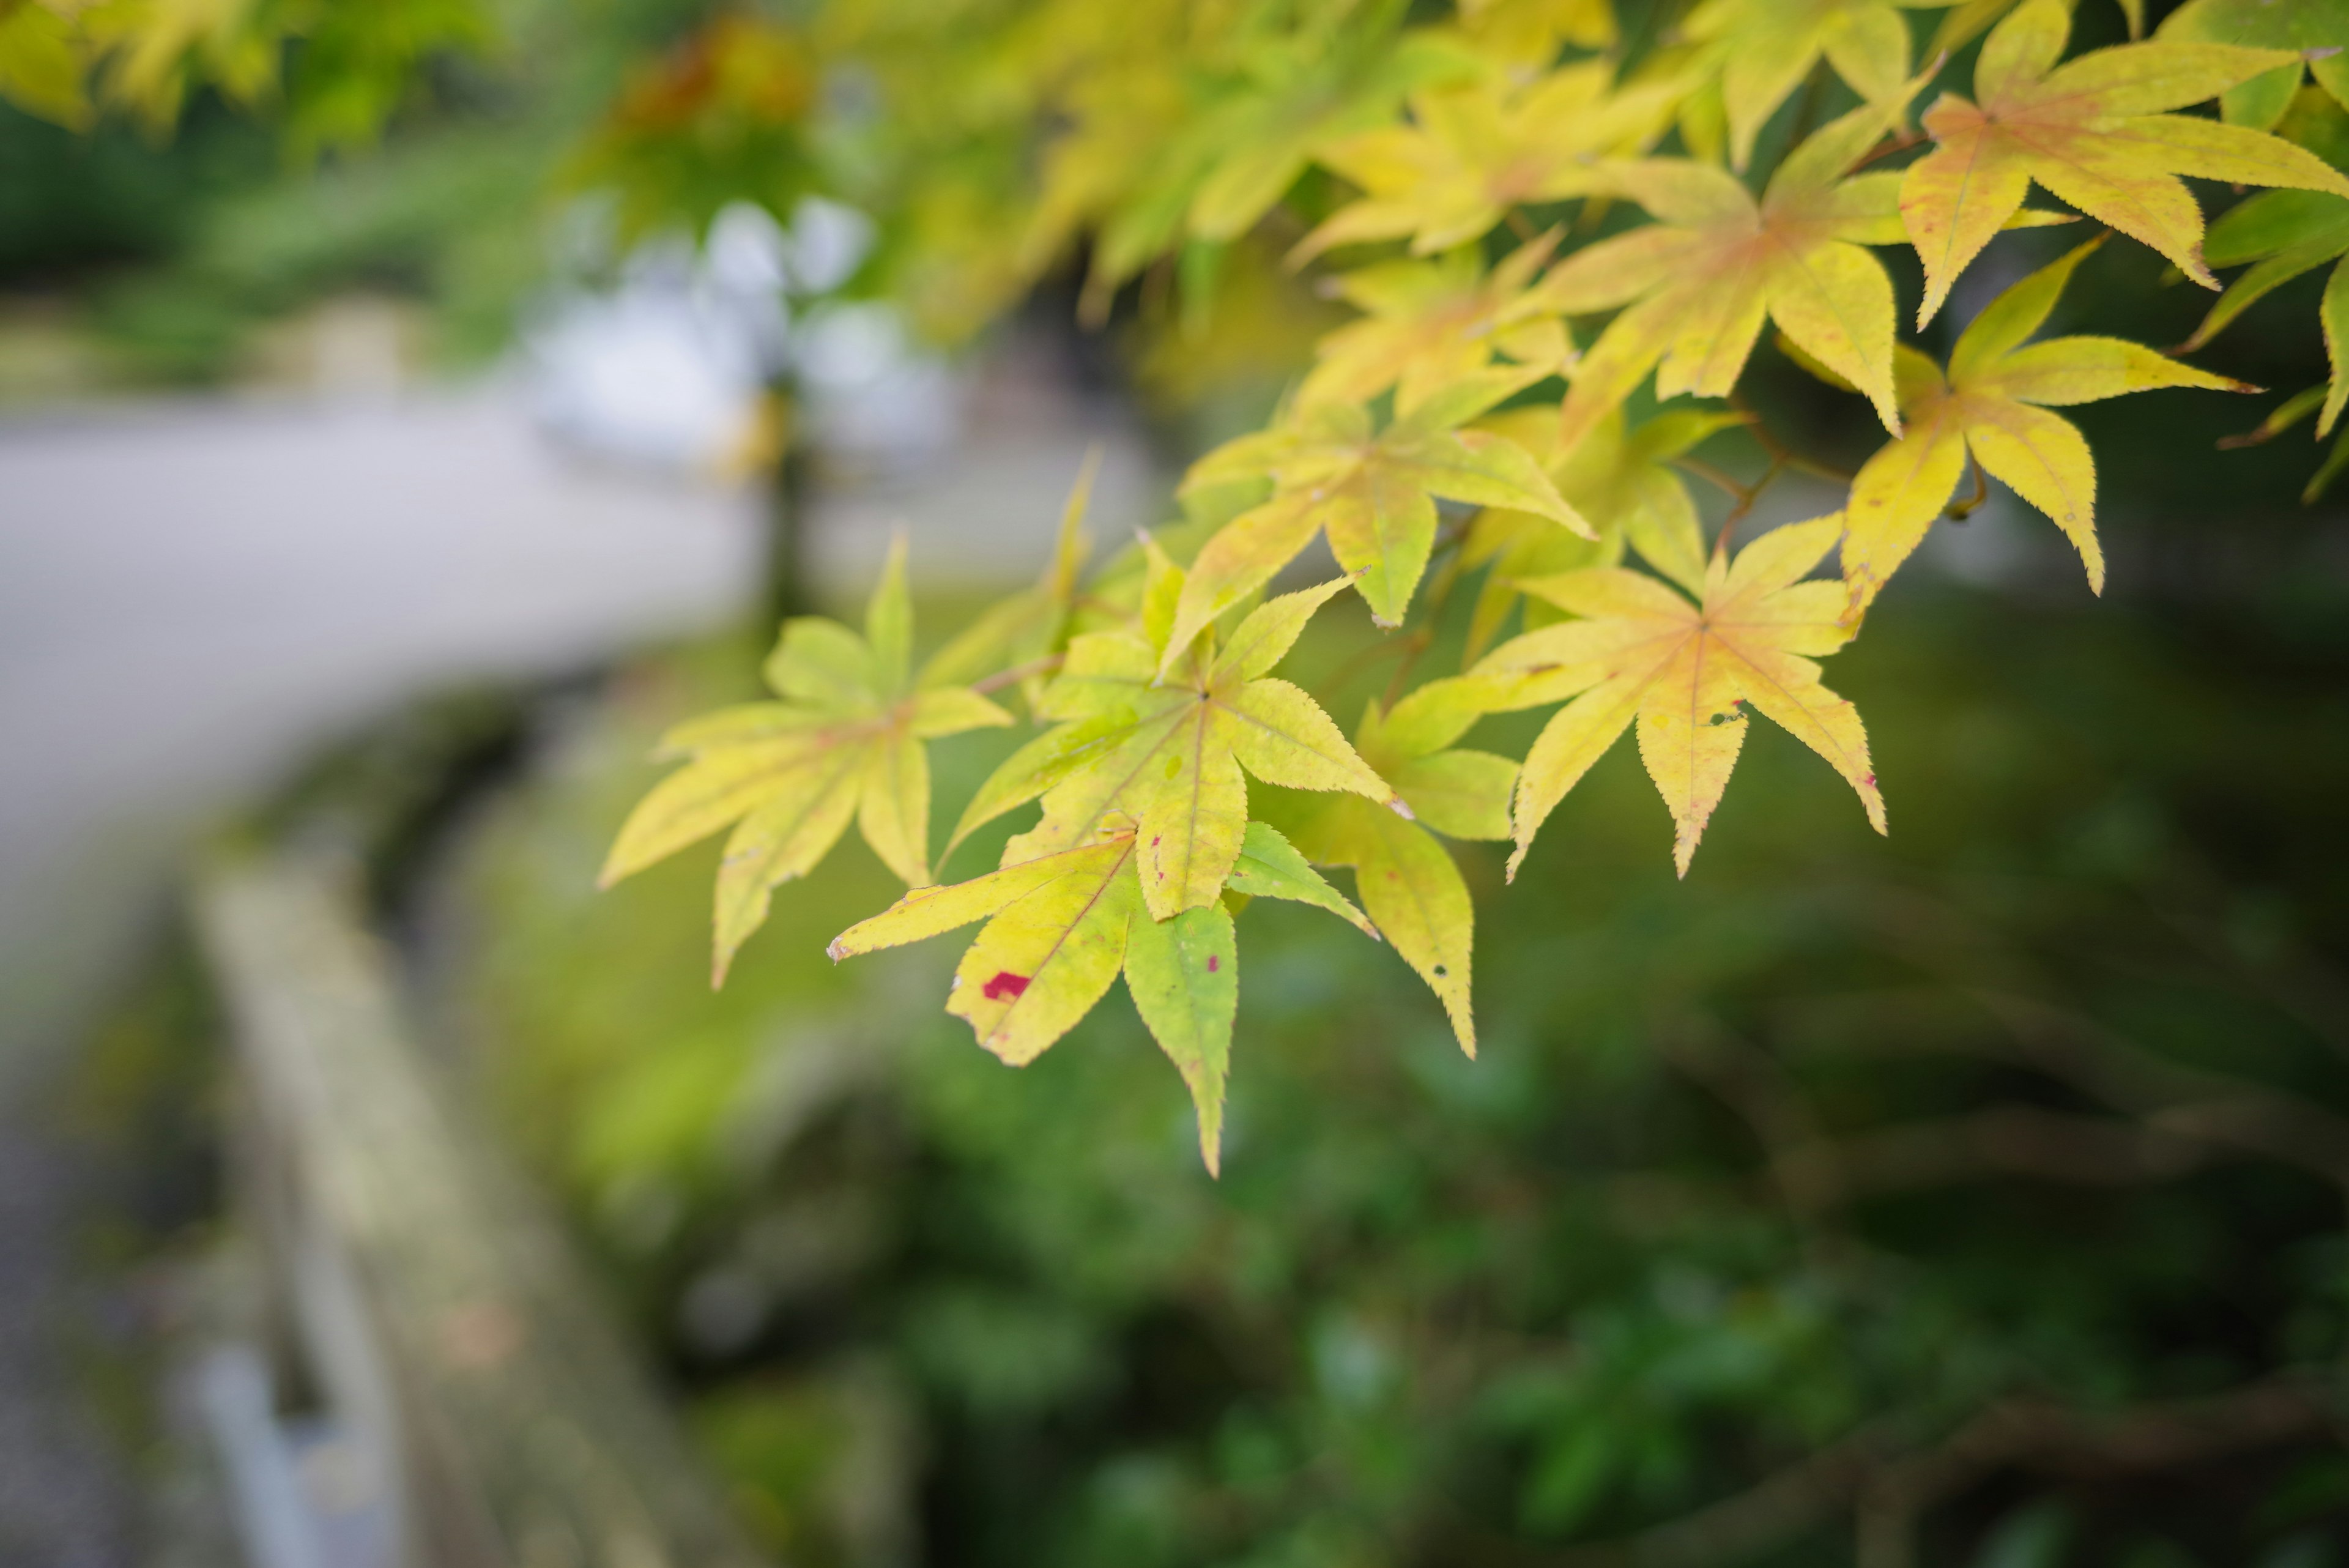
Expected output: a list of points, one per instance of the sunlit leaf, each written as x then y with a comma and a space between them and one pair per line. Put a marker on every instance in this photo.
1685, 673
2093, 130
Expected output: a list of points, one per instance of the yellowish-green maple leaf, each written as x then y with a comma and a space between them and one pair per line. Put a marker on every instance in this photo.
1764, 48
1993, 404
1478, 148
1428, 324
1171, 754
1373, 491
1685, 672
1621, 479
1701, 282
2094, 131
845, 741
1406, 877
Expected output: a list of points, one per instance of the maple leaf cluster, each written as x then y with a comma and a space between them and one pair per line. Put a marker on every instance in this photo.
1542, 229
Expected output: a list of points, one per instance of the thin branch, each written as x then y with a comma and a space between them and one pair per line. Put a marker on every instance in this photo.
1888, 147
2004, 1140
1889, 1490
1737, 514
1017, 673
1713, 476
1759, 428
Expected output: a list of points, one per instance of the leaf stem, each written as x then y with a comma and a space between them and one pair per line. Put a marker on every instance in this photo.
1959, 511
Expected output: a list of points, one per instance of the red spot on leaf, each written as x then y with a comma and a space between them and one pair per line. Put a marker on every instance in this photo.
1153, 842
1869, 781
1006, 983
1213, 961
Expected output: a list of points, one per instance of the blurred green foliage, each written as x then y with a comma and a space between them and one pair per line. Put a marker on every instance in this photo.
2011, 1147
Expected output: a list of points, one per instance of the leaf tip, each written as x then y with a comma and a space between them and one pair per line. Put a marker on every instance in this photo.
1402, 808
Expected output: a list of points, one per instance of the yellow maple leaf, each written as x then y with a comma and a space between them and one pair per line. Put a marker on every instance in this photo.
1476, 150
1686, 673
1764, 49
1993, 404
1620, 477
845, 741
1702, 280
2094, 131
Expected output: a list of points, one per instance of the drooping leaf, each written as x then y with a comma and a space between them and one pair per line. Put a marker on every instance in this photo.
1184, 975
1685, 673
1372, 490
1406, 877
1172, 754
845, 743
1408, 883
1700, 283
1059, 927
1994, 405
2094, 131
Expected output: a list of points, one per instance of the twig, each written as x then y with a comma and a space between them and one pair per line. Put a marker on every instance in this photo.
1746, 504
1713, 476
1888, 147
1759, 428
2004, 1140
1889, 1490
1017, 673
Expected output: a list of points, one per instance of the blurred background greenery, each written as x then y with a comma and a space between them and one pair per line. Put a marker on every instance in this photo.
1986, 1182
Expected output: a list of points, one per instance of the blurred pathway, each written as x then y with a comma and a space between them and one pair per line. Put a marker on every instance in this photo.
189, 595
194, 595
